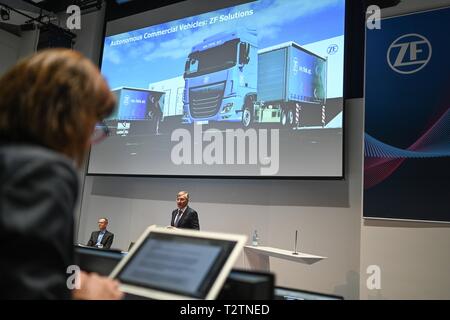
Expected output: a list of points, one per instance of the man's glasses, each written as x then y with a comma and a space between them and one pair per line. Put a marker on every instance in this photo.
101, 131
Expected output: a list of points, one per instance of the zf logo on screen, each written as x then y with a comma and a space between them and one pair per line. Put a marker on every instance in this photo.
409, 53
332, 49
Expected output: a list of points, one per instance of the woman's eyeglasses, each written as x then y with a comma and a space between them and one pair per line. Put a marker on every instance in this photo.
101, 131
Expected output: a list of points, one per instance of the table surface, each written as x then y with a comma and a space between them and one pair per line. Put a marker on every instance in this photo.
285, 254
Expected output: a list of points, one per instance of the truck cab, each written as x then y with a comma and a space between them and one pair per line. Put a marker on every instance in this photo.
220, 77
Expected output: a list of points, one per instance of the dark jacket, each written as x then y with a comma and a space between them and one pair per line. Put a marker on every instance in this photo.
38, 192
107, 239
189, 219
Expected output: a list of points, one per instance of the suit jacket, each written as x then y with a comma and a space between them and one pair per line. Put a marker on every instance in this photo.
189, 219
38, 194
107, 239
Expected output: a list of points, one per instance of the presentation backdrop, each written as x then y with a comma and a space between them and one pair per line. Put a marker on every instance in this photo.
407, 118
254, 89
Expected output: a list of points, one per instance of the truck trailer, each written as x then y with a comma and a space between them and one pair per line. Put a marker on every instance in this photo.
135, 111
228, 79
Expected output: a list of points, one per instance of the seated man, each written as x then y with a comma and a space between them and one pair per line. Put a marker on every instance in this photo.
184, 217
102, 238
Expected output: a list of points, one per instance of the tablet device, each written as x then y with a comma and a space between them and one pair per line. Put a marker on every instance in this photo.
178, 263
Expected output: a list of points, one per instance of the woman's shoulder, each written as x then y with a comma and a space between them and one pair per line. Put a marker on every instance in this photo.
25, 150
30, 152
17, 159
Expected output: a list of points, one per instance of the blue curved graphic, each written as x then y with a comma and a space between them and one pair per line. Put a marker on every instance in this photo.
433, 144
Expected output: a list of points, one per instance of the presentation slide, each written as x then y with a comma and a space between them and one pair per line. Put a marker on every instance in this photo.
249, 90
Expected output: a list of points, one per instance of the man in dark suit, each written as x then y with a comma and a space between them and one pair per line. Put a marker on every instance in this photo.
184, 217
102, 238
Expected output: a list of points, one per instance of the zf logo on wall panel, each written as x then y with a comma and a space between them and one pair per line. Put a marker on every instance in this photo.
409, 53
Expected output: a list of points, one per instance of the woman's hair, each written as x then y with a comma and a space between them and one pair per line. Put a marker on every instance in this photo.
54, 98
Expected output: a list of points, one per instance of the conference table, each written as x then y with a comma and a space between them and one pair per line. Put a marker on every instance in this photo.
258, 257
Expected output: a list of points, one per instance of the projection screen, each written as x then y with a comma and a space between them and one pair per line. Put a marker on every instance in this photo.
226, 89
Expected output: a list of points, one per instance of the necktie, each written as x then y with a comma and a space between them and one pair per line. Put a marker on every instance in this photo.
177, 218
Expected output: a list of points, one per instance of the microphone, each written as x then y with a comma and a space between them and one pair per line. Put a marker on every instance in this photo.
295, 245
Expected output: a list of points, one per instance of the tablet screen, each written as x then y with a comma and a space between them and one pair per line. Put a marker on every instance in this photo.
179, 264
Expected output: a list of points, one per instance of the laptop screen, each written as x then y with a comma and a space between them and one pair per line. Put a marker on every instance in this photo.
176, 263
101, 261
282, 293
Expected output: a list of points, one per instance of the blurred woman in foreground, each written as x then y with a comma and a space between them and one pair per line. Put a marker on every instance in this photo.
49, 105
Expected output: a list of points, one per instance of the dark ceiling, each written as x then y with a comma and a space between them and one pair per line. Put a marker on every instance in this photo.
61, 5
133, 6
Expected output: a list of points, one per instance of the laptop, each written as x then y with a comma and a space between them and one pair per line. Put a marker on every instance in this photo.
101, 261
283, 293
178, 263
248, 285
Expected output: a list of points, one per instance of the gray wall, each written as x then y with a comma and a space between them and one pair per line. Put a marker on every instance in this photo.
90, 36
414, 258
9, 49
14, 47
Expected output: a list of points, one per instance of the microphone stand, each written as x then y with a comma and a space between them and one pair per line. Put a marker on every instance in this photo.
295, 247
